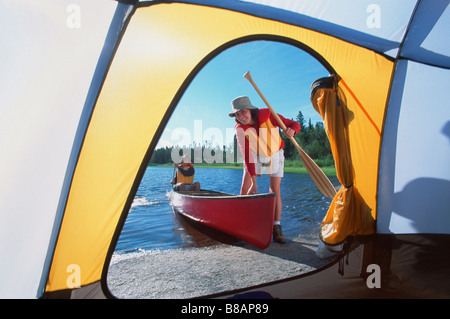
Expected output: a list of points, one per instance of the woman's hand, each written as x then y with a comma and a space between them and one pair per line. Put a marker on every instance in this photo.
253, 189
289, 132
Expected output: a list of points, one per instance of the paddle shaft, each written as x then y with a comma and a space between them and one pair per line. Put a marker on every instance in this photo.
173, 175
318, 176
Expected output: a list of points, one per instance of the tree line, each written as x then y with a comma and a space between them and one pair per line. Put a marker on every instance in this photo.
314, 141
312, 138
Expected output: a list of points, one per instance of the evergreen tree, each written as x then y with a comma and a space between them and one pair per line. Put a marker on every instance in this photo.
300, 119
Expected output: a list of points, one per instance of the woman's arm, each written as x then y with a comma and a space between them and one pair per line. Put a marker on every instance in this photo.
244, 147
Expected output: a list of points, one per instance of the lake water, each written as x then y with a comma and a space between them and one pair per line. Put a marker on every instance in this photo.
152, 225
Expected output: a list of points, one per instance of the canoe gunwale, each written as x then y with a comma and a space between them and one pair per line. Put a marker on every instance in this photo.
221, 196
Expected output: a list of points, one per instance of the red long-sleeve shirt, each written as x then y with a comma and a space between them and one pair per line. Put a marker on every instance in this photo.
244, 145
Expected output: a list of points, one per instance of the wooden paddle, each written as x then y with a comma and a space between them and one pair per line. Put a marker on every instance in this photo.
173, 175
318, 176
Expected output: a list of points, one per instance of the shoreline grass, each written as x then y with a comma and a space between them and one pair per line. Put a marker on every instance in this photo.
289, 167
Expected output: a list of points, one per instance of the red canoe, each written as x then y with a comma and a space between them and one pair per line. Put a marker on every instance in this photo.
247, 217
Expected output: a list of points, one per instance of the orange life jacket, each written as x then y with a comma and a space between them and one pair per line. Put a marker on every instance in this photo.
267, 141
185, 174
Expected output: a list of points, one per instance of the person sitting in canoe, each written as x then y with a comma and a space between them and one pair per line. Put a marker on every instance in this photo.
262, 148
184, 178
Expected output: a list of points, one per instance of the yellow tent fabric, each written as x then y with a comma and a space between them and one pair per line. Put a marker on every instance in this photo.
347, 214
161, 49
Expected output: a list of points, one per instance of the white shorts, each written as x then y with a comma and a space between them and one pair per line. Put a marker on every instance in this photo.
271, 166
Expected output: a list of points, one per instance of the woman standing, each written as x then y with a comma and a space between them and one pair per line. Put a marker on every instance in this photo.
262, 148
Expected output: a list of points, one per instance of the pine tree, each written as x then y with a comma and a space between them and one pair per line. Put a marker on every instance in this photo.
300, 119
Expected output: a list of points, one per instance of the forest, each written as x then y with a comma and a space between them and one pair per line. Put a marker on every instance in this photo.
312, 138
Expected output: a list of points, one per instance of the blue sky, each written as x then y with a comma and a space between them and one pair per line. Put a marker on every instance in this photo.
282, 72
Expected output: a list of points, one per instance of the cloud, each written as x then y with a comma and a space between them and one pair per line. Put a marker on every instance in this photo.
162, 143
